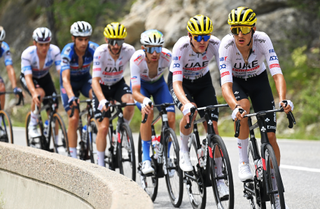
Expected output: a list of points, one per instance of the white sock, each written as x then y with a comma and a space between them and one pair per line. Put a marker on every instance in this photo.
127, 121
73, 152
1, 121
218, 166
184, 143
56, 138
101, 158
243, 146
33, 119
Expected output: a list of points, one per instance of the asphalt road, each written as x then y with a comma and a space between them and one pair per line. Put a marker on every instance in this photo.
300, 170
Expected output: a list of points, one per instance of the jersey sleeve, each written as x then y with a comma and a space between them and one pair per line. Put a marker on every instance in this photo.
176, 64
57, 57
26, 63
6, 54
135, 60
225, 60
66, 55
96, 69
270, 55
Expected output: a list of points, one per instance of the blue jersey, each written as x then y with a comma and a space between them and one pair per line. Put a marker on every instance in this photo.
5, 53
70, 60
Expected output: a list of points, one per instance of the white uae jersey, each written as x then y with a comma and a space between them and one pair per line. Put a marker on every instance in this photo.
232, 63
104, 66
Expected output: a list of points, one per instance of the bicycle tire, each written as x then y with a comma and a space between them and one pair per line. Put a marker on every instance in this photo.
126, 152
6, 128
110, 158
62, 140
174, 183
196, 187
35, 142
217, 142
258, 184
150, 182
271, 161
90, 134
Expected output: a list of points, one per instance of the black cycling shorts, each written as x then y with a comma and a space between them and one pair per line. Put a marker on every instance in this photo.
45, 83
114, 92
199, 91
259, 91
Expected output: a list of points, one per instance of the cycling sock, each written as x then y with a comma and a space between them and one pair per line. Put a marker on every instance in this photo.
33, 119
242, 146
101, 159
73, 152
1, 121
218, 166
184, 143
56, 138
127, 121
169, 147
146, 150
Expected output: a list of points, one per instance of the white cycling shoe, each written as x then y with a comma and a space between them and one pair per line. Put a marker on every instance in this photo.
33, 131
222, 189
244, 172
185, 163
146, 167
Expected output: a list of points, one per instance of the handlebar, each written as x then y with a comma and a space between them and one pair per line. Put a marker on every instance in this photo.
21, 98
114, 107
146, 115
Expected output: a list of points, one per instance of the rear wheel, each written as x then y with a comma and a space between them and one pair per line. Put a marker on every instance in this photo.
195, 184
223, 175
59, 135
148, 182
174, 175
273, 179
126, 159
91, 134
6, 133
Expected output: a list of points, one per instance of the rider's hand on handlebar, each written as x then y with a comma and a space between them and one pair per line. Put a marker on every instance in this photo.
36, 100
186, 110
287, 105
146, 105
102, 105
17, 90
238, 113
73, 101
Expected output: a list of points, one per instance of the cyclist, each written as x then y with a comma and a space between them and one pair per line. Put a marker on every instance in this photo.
108, 83
6, 54
191, 85
35, 78
243, 74
75, 75
147, 67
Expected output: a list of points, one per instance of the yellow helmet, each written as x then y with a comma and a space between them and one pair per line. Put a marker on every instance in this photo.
199, 25
115, 30
242, 16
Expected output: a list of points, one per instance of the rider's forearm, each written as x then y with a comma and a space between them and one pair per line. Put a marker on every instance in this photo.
179, 92
280, 86
137, 95
12, 76
96, 87
30, 84
228, 95
67, 84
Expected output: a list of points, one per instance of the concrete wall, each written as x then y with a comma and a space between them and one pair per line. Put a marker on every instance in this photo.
32, 178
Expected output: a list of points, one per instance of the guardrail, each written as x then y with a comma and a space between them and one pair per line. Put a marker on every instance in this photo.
32, 178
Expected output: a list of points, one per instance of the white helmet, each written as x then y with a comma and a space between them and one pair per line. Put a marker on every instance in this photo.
152, 37
81, 28
42, 35
2, 33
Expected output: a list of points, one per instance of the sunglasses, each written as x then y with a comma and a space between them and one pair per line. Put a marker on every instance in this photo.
244, 29
150, 50
44, 40
113, 42
198, 38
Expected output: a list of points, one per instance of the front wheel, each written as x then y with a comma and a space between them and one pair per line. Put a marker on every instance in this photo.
6, 133
126, 159
59, 135
221, 173
273, 179
174, 175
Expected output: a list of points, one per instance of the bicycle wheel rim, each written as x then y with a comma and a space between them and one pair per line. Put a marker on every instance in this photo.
59, 136
195, 186
6, 128
127, 162
275, 188
216, 142
174, 183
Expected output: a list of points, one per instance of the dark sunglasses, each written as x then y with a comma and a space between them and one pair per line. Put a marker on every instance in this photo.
198, 38
244, 30
150, 50
44, 40
113, 42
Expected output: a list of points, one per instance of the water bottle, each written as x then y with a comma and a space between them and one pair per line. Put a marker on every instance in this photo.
84, 131
45, 128
155, 144
259, 169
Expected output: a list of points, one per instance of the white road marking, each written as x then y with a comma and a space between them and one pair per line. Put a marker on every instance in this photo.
300, 168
